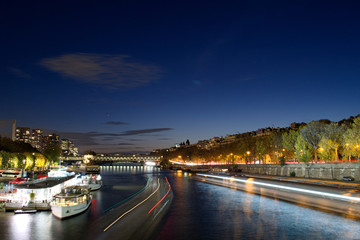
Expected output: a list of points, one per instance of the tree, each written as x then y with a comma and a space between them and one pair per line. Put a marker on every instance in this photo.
7, 145
289, 141
90, 152
282, 161
40, 160
246, 148
164, 163
275, 144
326, 146
52, 153
5, 159
21, 158
260, 148
351, 140
312, 134
332, 138
14, 160
303, 152
30, 160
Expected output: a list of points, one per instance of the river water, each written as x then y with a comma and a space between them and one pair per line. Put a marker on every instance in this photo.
198, 211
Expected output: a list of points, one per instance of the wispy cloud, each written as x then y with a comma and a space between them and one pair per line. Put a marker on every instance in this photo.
96, 138
135, 140
144, 131
164, 139
108, 139
125, 144
19, 73
109, 71
248, 77
116, 123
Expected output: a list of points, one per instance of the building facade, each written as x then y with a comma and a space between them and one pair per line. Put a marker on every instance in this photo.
22, 134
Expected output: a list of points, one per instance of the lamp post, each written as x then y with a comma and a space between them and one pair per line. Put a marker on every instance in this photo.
248, 154
348, 148
321, 153
24, 165
283, 153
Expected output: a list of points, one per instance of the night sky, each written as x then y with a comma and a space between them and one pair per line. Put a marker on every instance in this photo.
132, 76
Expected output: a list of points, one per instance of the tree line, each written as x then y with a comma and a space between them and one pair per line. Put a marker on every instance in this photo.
316, 141
22, 155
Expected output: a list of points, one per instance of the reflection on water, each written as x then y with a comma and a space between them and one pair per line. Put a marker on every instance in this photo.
120, 182
204, 211
198, 211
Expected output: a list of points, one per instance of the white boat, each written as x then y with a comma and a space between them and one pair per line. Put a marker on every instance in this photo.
71, 201
94, 182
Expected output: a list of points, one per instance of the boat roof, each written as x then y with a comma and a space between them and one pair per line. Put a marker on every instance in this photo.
71, 194
43, 182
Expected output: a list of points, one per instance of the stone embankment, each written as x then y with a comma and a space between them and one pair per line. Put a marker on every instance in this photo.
334, 171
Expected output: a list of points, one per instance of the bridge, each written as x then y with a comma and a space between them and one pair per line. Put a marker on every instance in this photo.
104, 159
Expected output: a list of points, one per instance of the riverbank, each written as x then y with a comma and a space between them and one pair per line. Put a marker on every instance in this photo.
324, 171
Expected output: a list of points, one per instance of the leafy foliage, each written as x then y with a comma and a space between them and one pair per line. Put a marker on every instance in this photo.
282, 161
313, 133
40, 160
289, 141
322, 137
52, 153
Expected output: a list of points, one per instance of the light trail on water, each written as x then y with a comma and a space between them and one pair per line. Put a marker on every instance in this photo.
134, 207
162, 197
108, 209
336, 196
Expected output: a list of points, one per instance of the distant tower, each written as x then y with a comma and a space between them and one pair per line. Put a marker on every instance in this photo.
13, 130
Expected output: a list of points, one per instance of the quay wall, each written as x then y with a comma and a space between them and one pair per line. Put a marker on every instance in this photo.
333, 171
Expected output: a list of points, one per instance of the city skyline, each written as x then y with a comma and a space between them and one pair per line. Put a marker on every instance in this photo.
133, 77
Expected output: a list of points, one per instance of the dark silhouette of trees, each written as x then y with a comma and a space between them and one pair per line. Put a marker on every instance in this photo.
7, 145
52, 153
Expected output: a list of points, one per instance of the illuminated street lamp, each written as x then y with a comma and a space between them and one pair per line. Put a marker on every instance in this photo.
248, 154
348, 148
321, 152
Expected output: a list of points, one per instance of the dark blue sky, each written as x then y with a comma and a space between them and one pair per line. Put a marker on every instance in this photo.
138, 75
